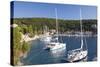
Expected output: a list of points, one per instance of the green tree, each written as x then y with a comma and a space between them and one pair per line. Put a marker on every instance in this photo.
25, 47
16, 44
30, 30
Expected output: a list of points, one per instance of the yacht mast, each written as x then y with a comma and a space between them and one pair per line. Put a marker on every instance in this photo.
56, 23
81, 29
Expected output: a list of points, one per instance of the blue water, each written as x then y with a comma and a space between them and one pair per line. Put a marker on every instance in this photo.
37, 54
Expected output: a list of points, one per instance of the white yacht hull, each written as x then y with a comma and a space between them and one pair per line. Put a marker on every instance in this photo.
56, 46
78, 56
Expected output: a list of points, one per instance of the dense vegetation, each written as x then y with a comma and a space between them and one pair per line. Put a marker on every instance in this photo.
64, 25
19, 48
16, 46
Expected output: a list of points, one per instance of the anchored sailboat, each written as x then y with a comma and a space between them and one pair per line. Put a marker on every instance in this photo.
46, 36
80, 53
56, 45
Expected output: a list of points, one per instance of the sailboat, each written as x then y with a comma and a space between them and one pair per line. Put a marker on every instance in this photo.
56, 45
80, 53
46, 36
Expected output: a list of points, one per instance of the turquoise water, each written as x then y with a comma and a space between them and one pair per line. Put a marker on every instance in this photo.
37, 54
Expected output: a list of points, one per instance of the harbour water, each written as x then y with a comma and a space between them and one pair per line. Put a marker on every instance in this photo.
37, 54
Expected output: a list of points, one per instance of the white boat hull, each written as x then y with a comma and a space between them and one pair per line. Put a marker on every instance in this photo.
78, 56
56, 46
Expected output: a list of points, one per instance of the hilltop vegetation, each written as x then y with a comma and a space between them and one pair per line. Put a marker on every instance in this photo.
37, 24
